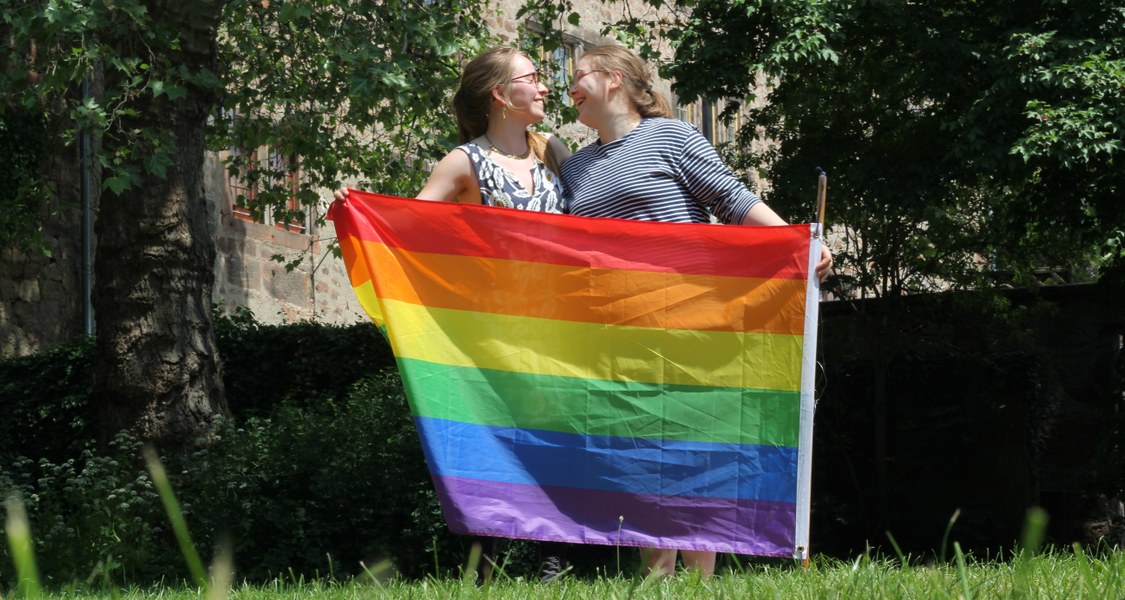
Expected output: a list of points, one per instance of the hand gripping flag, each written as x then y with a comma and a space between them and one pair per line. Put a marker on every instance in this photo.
599, 381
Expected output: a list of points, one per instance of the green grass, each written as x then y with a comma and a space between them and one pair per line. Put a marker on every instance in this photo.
1026, 573
1069, 575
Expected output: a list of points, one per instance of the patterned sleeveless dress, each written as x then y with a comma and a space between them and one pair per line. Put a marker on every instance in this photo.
499, 187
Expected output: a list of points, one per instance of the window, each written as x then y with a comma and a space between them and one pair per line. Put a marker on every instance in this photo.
556, 66
733, 126
686, 113
259, 168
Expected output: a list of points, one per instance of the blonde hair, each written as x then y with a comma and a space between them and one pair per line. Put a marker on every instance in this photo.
472, 103
635, 78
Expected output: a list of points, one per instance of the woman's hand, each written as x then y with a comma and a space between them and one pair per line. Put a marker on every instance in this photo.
824, 266
341, 194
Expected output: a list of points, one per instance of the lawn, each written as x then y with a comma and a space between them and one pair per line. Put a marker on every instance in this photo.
1070, 575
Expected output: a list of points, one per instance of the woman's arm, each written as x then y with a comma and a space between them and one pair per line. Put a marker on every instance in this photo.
453, 179
760, 214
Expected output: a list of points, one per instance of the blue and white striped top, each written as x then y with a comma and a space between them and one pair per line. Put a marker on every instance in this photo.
663, 170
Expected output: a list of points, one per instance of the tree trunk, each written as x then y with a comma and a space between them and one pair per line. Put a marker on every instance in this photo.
157, 367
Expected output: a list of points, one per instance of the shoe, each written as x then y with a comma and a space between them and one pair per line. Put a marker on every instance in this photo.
552, 569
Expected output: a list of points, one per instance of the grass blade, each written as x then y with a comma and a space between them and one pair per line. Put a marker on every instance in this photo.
469, 575
222, 572
1034, 530
19, 540
898, 552
962, 571
945, 536
175, 516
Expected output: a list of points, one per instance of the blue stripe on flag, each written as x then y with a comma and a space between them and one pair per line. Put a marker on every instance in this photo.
617, 464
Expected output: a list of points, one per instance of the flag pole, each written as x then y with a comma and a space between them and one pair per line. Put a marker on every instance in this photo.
821, 202
821, 197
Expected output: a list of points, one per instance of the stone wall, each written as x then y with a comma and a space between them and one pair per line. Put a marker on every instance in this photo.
40, 296
247, 275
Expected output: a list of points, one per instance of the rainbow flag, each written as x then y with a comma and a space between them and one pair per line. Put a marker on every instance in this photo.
599, 381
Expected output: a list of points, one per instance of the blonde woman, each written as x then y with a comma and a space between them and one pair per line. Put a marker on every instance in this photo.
500, 161
647, 166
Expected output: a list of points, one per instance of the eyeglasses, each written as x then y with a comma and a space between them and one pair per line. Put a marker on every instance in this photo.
580, 74
532, 78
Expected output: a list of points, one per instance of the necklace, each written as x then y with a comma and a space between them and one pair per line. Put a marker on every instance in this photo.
526, 153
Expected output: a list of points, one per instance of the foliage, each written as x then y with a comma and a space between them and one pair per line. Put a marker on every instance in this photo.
56, 46
92, 515
318, 469
369, 498
45, 399
350, 89
304, 362
967, 143
23, 146
310, 489
931, 119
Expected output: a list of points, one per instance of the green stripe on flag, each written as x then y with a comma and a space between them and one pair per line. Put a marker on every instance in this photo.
599, 407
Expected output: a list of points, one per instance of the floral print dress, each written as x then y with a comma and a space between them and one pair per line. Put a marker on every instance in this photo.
498, 187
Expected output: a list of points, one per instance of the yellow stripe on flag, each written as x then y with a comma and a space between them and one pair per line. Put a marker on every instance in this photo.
592, 351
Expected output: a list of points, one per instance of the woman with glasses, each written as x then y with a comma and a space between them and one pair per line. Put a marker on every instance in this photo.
647, 166
500, 161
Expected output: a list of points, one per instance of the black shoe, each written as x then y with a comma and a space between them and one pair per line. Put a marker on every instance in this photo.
551, 569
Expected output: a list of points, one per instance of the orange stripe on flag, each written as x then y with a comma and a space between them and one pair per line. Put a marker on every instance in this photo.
607, 296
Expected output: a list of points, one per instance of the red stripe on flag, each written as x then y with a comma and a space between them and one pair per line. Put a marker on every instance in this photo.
474, 230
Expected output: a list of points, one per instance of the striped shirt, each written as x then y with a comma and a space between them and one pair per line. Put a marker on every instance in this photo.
662, 170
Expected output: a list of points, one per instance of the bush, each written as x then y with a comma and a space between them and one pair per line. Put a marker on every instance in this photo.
92, 515
305, 362
45, 399
319, 469
320, 488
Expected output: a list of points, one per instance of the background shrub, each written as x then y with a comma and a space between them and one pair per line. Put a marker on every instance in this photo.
318, 469
93, 516
319, 487
302, 363
45, 400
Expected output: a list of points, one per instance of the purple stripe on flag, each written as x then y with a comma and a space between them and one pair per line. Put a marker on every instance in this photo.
524, 511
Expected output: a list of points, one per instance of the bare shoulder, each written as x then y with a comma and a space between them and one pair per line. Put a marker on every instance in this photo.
457, 161
453, 178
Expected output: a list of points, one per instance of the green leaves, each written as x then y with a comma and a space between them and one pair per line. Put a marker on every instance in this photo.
1075, 114
23, 134
290, 12
967, 143
353, 90
59, 46
171, 90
